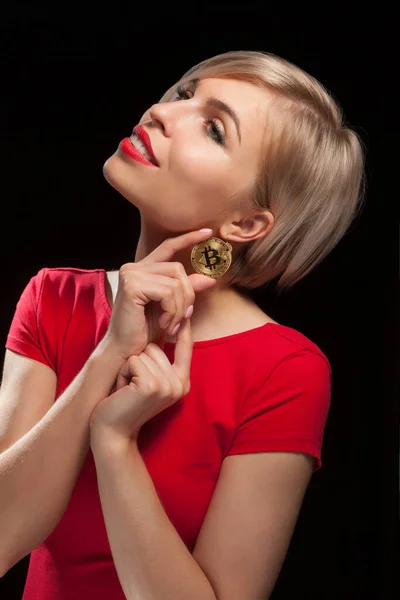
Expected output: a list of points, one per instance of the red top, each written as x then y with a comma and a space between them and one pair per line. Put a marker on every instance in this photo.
266, 389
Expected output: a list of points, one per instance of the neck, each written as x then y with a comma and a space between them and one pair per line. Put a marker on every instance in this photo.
209, 304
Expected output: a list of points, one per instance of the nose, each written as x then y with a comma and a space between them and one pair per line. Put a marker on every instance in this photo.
166, 115
159, 116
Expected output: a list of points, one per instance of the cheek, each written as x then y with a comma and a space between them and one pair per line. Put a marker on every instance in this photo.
186, 203
199, 169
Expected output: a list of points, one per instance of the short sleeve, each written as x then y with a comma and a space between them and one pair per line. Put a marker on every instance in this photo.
289, 411
24, 335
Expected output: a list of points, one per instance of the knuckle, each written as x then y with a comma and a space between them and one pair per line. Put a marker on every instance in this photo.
132, 361
178, 393
123, 276
128, 281
168, 391
126, 267
178, 266
171, 291
151, 346
151, 387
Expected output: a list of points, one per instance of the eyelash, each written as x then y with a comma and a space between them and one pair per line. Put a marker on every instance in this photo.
217, 134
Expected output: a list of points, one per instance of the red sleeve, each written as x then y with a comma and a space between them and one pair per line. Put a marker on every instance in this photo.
290, 410
25, 335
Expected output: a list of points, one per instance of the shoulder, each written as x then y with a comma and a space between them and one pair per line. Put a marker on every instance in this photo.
276, 346
63, 286
290, 343
69, 273
70, 277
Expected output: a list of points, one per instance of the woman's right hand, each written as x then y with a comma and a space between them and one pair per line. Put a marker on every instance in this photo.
150, 289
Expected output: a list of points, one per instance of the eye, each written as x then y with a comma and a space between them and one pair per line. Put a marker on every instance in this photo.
182, 93
215, 132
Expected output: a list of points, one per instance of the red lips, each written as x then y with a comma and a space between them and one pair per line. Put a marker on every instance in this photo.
145, 138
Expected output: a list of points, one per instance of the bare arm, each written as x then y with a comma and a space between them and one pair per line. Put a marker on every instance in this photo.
39, 471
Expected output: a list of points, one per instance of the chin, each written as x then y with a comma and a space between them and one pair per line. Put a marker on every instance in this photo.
114, 168
119, 175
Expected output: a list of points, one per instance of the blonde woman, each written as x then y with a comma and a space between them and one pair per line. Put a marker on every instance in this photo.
158, 430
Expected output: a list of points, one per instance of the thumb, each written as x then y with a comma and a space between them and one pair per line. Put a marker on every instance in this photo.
124, 376
201, 282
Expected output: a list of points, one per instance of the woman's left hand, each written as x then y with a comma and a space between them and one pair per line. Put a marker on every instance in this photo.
146, 385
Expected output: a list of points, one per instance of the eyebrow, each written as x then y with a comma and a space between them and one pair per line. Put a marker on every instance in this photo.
220, 105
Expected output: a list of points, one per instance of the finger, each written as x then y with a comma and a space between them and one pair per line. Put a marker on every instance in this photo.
183, 352
197, 281
128, 370
133, 371
145, 287
172, 318
184, 294
161, 369
124, 376
173, 305
184, 297
166, 250
121, 382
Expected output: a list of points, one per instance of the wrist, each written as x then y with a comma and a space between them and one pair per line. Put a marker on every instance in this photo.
109, 351
112, 349
106, 441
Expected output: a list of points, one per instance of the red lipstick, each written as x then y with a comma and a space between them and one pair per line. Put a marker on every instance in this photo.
129, 150
145, 138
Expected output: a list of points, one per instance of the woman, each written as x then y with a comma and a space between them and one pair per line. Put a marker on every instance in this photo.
202, 438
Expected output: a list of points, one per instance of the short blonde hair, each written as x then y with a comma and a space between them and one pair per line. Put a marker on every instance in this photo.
311, 170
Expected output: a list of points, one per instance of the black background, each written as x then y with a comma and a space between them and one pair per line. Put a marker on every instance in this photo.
74, 83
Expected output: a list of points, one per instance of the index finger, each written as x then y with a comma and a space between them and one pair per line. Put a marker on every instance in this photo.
166, 250
183, 351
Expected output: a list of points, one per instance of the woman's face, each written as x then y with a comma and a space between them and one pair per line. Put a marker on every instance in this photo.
207, 159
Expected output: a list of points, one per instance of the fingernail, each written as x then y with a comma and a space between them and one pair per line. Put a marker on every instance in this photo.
189, 312
206, 229
175, 329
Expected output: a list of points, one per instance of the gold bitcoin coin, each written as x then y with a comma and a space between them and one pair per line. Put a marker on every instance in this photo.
211, 257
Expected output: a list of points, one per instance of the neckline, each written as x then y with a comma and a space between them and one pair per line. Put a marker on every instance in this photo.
225, 339
197, 344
